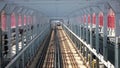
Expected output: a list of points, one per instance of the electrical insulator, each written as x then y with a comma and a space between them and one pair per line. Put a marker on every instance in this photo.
88, 19
100, 19
13, 21
94, 19
19, 20
84, 18
29, 20
25, 20
111, 19
3, 21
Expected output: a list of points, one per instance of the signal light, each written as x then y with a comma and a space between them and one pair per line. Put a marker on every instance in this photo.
89, 19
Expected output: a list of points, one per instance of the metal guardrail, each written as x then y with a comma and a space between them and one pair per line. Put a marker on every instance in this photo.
99, 56
15, 60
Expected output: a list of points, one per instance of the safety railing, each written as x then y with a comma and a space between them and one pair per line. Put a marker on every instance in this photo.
86, 49
28, 52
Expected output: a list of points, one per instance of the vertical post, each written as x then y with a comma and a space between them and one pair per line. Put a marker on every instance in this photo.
91, 40
116, 53
91, 33
22, 36
83, 29
8, 25
97, 39
27, 30
17, 39
23, 60
97, 34
76, 29
39, 24
105, 49
86, 36
34, 22
22, 29
87, 30
37, 30
31, 27
80, 31
16, 30
117, 41
87, 54
1, 57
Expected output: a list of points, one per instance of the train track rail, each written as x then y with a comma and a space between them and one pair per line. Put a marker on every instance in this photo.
68, 57
49, 61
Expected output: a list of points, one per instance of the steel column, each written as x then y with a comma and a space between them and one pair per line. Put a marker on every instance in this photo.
80, 31
22, 29
116, 53
105, 48
8, 25
97, 40
1, 56
86, 36
91, 40
97, 34
117, 46
17, 34
86, 29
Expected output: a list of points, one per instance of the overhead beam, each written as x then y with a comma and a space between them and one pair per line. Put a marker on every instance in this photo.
57, 2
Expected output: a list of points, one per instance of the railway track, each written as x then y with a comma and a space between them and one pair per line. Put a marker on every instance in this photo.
49, 61
70, 57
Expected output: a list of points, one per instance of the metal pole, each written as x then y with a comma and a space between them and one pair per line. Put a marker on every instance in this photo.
87, 30
80, 31
97, 40
117, 46
17, 34
22, 30
23, 61
116, 53
1, 56
17, 43
97, 34
91, 41
86, 37
8, 23
105, 49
